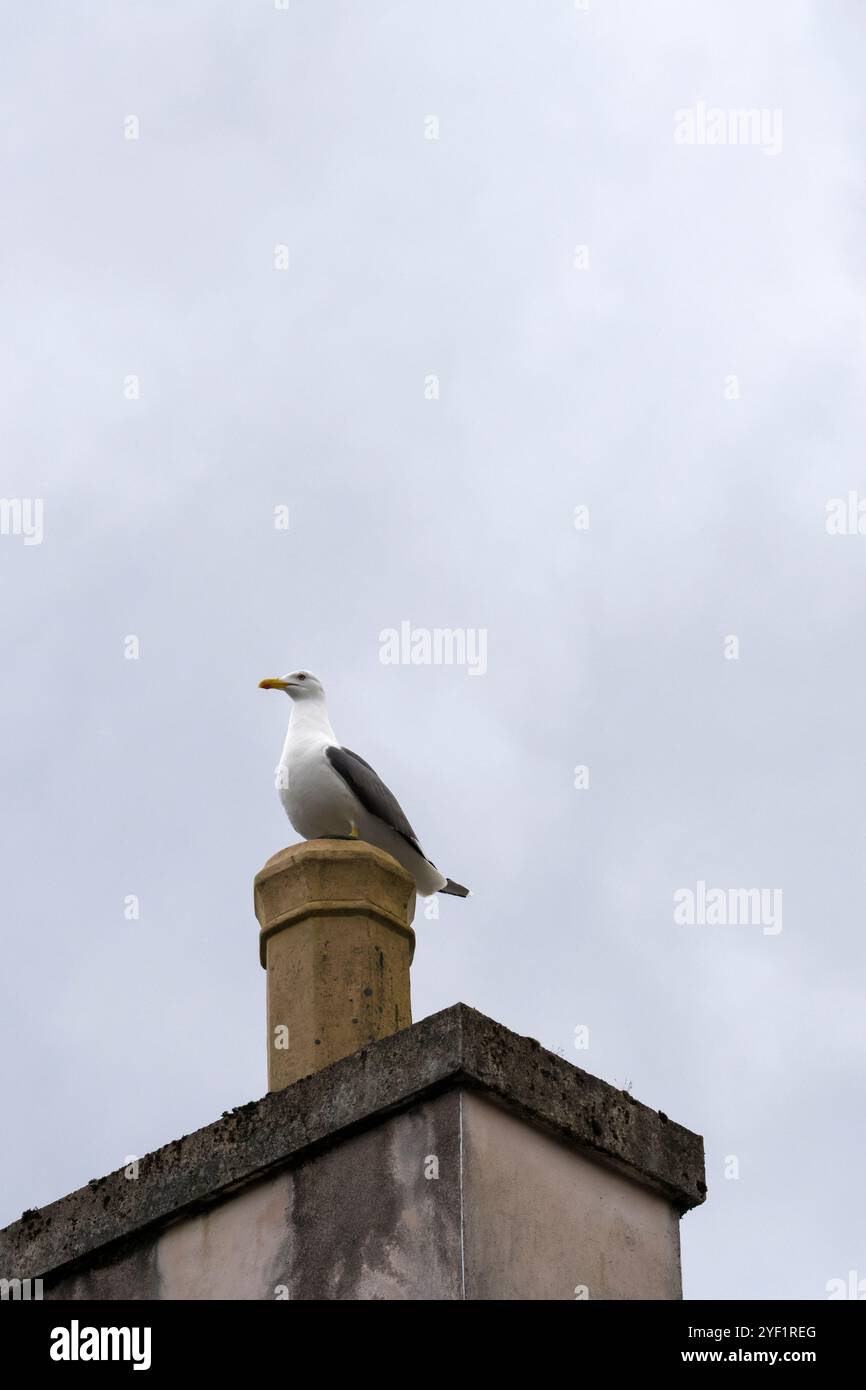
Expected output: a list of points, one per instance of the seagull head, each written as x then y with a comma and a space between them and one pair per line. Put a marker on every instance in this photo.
298, 685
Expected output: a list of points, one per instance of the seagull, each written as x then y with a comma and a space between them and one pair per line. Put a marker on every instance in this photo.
329, 792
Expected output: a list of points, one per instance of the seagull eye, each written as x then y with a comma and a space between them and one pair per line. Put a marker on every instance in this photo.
301, 676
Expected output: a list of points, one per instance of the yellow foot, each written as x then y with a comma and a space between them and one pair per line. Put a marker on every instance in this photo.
353, 833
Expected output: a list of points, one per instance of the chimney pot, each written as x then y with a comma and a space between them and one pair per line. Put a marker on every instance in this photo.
336, 942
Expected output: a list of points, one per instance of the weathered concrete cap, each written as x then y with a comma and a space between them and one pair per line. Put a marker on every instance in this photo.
327, 878
453, 1049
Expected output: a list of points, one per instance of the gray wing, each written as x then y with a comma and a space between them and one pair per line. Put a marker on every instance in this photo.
372, 793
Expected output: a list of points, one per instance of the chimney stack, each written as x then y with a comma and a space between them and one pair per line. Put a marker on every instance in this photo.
549, 1183
337, 944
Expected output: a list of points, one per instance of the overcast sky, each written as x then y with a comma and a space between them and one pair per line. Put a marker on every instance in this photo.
503, 197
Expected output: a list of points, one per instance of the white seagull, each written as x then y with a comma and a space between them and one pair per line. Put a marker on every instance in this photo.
329, 792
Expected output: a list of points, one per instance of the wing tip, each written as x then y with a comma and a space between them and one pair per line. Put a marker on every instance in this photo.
456, 890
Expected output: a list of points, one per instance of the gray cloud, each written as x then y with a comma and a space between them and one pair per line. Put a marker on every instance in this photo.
558, 387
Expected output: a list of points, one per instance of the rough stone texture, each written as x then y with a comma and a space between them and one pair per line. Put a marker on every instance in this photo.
337, 945
359, 1221
453, 1198
354, 1177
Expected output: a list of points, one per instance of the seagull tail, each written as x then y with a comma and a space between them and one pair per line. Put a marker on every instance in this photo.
456, 889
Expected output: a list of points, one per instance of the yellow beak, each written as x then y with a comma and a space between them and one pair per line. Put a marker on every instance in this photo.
272, 685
